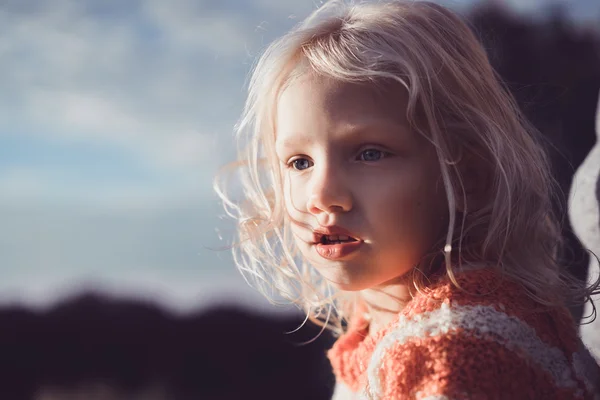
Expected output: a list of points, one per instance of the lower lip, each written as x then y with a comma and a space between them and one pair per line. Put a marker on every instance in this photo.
337, 251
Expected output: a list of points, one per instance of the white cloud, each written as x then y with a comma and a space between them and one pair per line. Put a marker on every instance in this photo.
192, 25
167, 143
73, 75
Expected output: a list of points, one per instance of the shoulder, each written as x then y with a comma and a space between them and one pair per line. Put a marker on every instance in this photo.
453, 343
459, 350
486, 298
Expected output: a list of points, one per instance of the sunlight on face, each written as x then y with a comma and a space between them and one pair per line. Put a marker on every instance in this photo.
354, 170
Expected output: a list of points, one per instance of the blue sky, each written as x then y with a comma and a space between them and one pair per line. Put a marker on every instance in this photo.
114, 117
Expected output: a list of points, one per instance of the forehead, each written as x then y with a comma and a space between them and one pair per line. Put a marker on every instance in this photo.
311, 101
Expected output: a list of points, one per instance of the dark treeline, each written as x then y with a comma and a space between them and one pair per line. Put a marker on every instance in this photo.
136, 348
553, 69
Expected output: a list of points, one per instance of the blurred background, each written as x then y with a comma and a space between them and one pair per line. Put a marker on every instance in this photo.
114, 118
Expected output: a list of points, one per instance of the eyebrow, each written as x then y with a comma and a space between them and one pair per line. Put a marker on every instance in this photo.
351, 131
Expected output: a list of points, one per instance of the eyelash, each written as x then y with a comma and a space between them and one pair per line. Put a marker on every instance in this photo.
384, 154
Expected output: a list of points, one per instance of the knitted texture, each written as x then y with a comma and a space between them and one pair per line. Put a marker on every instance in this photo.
486, 341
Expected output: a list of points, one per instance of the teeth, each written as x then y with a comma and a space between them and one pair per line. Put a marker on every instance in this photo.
335, 238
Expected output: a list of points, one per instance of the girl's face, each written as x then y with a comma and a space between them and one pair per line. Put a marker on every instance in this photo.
353, 168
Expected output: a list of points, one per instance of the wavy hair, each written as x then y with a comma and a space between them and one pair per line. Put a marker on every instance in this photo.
456, 101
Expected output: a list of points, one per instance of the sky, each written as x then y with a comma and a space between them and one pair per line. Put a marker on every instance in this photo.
114, 118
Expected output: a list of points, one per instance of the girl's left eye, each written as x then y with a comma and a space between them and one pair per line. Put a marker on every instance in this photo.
371, 155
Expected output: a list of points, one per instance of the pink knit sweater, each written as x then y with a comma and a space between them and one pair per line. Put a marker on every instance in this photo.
489, 341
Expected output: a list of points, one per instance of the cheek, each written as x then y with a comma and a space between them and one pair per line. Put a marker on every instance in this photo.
394, 197
294, 196
288, 196
412, 204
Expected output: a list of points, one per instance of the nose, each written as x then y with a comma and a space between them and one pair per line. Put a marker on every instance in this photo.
329, 193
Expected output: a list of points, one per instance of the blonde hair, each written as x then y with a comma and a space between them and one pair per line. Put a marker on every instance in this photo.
456, 101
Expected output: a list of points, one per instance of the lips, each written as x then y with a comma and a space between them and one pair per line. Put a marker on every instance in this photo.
335, 243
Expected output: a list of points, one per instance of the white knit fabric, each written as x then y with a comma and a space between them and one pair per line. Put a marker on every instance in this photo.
479, 321
343, 392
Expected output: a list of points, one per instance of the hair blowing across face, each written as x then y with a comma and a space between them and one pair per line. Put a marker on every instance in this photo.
495, 173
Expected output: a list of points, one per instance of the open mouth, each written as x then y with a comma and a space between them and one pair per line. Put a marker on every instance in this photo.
336, 247
336, 239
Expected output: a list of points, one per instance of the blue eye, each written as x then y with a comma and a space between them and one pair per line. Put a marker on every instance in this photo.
301, 164
371, 155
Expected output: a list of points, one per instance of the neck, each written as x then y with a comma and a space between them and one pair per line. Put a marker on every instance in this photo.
385, 302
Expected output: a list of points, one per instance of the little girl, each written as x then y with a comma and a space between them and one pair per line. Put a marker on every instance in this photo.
393, 190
